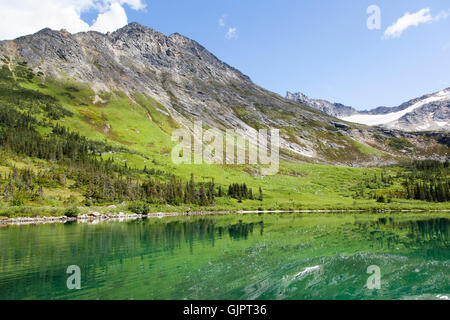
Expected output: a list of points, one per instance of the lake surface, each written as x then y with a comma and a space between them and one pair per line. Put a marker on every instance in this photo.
255, 256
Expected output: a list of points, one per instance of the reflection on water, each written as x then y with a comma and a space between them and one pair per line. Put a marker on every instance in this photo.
276, 256
424, 230
424, 234
242, 230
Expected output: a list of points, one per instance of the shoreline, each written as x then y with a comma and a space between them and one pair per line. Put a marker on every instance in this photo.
95, 217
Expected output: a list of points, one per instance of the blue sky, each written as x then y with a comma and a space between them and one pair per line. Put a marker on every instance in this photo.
321, 48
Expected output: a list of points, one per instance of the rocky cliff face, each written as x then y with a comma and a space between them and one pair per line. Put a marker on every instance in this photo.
192, 84
333, 109
428, 113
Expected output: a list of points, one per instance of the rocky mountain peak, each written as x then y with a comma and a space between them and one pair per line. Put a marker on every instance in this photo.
430, 112
189, 83
136, 26
334, 109
135, 31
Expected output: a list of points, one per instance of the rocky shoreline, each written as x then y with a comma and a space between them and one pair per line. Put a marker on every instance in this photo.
96, 217
85, 218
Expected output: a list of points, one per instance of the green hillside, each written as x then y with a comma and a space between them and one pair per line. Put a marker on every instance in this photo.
64, 146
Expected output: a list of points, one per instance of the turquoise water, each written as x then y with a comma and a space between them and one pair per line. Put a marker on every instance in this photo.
266, 256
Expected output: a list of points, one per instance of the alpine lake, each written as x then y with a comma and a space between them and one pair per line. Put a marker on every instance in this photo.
279, 256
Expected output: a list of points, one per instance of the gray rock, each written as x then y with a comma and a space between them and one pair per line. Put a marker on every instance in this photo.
433, 116
192, 84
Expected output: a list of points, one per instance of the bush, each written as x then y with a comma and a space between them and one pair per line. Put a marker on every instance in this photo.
139, 207
400, 144
18, 199
72, 200
72, 212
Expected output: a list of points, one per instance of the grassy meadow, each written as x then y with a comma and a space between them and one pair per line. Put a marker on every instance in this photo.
141, 127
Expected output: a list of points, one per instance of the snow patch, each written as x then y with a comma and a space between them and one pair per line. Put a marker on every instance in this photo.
380, 119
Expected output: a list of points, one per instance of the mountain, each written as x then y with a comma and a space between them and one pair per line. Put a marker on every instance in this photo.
427, 113
176, 81
333, 109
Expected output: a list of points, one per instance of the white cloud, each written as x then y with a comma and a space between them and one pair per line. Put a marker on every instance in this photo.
413, 19
109, 20
22, 17
231, 33
222, 21
442, 15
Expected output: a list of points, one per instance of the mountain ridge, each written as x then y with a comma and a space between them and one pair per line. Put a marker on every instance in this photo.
188, 83
425, 117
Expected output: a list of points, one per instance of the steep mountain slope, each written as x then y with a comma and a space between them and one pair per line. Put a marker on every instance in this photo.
428, 113
175, 81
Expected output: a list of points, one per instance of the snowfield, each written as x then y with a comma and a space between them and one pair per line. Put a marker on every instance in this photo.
383, 119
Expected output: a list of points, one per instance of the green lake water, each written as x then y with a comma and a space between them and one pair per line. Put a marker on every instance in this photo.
255, 256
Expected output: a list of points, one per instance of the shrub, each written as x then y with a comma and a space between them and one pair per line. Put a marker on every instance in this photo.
72, 212
18, 199
139, 207
400, 144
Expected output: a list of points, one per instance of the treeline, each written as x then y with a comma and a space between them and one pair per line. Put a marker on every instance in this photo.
73, 161
28, 101
373, 182
434, 191
73, 157
23, 184
153, 191
429, 166
427, 180
241, 192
